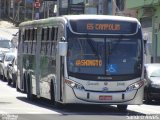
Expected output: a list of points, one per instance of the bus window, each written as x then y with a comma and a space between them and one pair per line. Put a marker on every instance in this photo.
52, 33
42, 33
56, 33
49, 42
30, 39
48, 33
43, 40
34, 41
54, 38
25, 46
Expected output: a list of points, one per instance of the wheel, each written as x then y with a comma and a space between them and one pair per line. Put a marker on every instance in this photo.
122, 107
14, 78
56, 104
3, 77
147, 97
9, 81
18, 90
14, 84
52, 93
24, 84
30, 96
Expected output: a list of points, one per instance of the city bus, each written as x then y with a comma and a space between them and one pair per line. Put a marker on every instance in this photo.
82, 59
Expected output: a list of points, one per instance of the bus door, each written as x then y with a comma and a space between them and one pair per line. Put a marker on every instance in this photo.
59, 67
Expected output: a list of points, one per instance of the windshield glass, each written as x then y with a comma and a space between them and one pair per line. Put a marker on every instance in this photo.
6, 44
103, 56
9, 57
155, 73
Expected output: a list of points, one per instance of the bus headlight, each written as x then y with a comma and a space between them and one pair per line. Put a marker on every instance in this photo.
73, 84
135, 86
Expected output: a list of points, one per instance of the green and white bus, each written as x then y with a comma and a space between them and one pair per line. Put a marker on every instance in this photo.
82, 59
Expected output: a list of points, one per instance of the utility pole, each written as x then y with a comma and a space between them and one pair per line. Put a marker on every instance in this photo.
18, 11
13, 9
58, 7
0, 9
25, 9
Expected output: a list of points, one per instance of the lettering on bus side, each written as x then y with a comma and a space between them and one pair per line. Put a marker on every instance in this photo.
114, 27
93, 63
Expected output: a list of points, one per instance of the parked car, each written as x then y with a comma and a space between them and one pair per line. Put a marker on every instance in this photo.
7, 46
152, 77
12, 72
7, 58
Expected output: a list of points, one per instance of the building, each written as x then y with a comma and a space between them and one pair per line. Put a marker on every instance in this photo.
104, 7
23, 10
148, 13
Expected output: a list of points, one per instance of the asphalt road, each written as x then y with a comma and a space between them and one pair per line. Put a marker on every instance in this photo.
15, 106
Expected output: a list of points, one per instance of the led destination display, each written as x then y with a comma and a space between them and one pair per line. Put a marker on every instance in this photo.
103, 27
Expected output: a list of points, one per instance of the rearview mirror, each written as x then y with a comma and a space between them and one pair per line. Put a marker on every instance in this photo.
62, 48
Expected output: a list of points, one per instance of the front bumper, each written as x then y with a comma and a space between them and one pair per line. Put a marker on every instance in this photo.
91, 97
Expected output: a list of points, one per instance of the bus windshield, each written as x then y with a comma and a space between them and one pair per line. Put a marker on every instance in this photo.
104, 56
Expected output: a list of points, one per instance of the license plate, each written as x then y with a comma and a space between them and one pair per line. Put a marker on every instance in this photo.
103, 97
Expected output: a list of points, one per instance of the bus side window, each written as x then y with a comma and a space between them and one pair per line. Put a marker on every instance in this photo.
25, 46
54, 41
49, 41
52, 33
56, 34
42, 41
34, 42
30, 38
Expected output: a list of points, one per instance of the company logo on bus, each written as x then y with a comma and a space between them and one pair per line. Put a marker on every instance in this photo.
105, 89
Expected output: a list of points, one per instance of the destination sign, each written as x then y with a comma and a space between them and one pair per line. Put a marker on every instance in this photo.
103, 27
91, 26
93, 63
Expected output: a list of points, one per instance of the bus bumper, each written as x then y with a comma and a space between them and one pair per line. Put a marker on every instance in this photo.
89, 97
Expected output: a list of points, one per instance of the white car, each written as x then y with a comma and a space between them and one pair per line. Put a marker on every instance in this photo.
7, 58
7, 46
12, 72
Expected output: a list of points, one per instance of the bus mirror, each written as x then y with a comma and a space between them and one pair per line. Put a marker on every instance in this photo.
63, 48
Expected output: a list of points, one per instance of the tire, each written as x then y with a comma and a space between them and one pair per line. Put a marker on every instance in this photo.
52, 93
14, 79
24, 84
3, 77
147, 98
56, 104
30, 96
14, 84
9, 81
122, 108
18, 90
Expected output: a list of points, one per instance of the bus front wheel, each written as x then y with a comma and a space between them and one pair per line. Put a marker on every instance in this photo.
30, 96
52, 93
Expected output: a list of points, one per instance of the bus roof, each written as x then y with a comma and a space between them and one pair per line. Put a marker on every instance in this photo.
100, 17
79, 17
